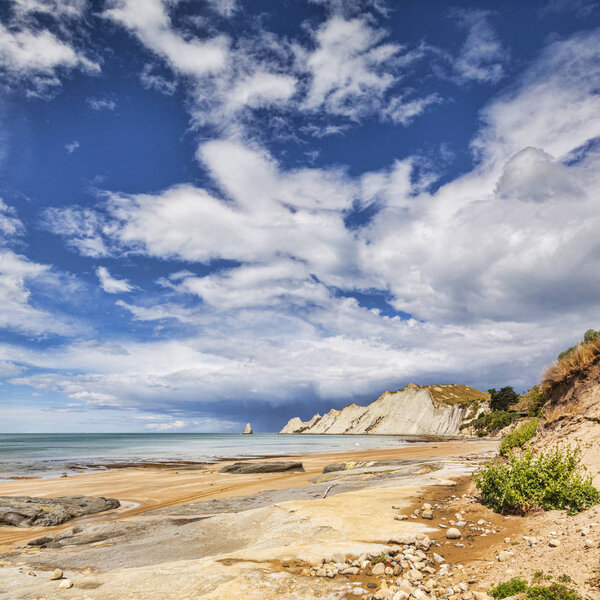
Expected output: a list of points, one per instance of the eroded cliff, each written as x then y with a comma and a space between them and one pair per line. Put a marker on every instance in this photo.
413, 410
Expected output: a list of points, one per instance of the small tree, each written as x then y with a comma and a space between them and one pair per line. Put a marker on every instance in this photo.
502, 399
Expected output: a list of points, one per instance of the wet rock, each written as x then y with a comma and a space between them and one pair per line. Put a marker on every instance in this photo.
334, 467
244, 468
28, 511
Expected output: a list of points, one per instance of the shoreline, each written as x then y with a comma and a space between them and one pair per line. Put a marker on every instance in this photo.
71, 468
163, 487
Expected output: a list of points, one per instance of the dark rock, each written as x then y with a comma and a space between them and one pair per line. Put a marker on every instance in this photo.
334, 467
26, 511
244, 468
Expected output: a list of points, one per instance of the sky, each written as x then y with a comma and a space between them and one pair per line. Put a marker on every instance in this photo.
221, 211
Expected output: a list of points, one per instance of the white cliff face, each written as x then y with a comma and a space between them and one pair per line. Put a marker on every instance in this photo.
410, 411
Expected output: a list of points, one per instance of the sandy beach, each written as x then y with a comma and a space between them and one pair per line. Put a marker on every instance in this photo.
193, 532
142, 489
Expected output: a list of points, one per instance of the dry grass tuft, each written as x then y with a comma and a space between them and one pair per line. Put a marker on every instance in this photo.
574, 362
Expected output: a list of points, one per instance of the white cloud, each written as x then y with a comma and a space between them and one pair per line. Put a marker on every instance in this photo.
582, 8
149, 21
482, 56
151, 81
110, 284
72, 146
101, 103
352, 69
499, 267
72, 9
10, 225
34, 56
17, 311
225, 8
168, 426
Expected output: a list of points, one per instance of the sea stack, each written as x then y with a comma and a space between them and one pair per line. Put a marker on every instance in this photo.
247, 429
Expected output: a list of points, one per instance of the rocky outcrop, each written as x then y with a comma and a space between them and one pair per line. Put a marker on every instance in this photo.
26, 511
244, 468
247, 429
413, 410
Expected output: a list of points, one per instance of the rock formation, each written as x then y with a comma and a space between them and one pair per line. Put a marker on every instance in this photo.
413, 410
26, 511
247, 429
244, 468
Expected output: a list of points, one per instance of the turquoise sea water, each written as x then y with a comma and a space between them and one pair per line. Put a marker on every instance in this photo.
48, 455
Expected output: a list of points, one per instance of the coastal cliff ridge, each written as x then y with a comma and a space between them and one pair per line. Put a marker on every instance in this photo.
438, 409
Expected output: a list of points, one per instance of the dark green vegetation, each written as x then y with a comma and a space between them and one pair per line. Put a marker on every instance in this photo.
550, 480
509, 588
503, 398
554, 591
490, 423
535, 401
519, 436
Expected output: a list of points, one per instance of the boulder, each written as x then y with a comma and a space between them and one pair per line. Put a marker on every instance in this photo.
453, 534
334, 467
245, 468
28, 511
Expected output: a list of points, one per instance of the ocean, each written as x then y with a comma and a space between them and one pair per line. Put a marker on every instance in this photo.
50, 455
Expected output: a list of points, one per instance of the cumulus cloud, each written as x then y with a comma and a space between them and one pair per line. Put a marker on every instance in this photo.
110, 284
497, 268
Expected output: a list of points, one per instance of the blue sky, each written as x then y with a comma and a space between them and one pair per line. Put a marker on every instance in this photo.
217, 211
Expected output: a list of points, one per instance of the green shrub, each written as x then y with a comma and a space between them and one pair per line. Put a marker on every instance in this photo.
519, 436
556, 591
489, 423
552, 480
509, 588
534, 401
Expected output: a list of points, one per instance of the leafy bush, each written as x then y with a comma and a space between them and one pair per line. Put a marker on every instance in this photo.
502, 399
519, 436
551, 480
489, 423
556, 591
536, 400
509, 588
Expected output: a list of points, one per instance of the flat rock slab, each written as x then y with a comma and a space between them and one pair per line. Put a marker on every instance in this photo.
28, 511
244, 468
